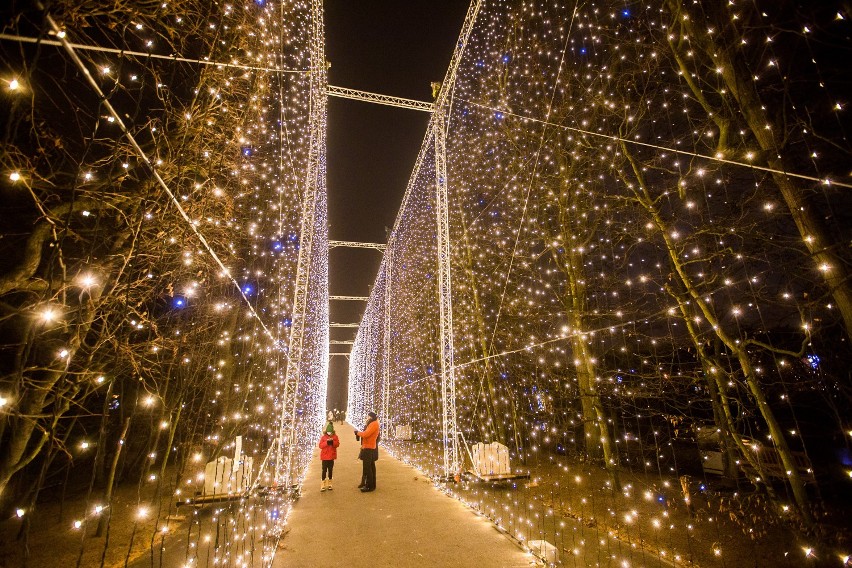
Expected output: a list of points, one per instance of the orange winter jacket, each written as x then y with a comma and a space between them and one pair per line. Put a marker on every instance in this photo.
369, 435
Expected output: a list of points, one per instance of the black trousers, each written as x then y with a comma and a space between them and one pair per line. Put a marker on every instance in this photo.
369, 470
327, 466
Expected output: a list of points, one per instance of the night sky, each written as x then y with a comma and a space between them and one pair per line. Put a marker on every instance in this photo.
393, 48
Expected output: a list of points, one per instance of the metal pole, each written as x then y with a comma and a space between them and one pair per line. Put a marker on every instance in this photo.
386, 354
440, 120
316, 153
445, 301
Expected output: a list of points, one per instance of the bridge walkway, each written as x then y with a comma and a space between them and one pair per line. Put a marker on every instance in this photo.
405, 522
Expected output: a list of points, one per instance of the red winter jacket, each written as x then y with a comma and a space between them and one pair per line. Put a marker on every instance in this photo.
328, 452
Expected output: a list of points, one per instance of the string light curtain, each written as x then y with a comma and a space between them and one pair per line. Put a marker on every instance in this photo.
164, 240
648, 211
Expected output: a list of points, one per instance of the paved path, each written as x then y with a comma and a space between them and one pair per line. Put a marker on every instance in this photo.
406, 522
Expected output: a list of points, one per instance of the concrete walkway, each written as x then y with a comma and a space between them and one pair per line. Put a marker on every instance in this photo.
406, 522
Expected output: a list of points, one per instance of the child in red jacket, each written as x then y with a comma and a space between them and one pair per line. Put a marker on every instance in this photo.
328, 453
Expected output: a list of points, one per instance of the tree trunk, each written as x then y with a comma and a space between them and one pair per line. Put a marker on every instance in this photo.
597, 436
110, 482
738, 348
495, 425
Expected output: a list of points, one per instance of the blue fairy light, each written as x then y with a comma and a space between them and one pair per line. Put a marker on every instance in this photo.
179, 302
813, 361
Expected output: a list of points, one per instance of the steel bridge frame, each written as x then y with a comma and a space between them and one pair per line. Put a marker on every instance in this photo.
437, 129
436, 133
355, 244
366, 96
386, 335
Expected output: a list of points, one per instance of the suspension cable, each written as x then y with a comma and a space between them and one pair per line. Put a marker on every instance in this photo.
614, 138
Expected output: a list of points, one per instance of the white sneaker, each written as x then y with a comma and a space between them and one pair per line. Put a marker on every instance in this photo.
323, 486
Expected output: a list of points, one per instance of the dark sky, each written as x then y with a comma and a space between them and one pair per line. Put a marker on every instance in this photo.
391, 47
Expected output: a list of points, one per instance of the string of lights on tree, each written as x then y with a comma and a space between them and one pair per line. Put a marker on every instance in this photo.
648, 211
145, 331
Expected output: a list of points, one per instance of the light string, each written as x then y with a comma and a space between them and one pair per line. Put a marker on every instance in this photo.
141, 54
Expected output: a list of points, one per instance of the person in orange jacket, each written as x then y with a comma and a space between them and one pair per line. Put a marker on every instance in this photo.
369, 451
328, 453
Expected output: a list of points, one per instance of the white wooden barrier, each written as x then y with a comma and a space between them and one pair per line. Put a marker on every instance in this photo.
227, 476
491, 459
403, 432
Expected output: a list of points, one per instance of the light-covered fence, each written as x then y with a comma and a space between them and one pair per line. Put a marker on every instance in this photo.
164, 282
648, 206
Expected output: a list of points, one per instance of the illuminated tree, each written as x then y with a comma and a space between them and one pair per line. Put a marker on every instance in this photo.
763, 118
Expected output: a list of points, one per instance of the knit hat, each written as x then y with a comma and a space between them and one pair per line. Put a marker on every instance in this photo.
330, 428
372, 415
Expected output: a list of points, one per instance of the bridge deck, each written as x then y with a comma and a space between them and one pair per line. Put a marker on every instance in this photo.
405, 522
